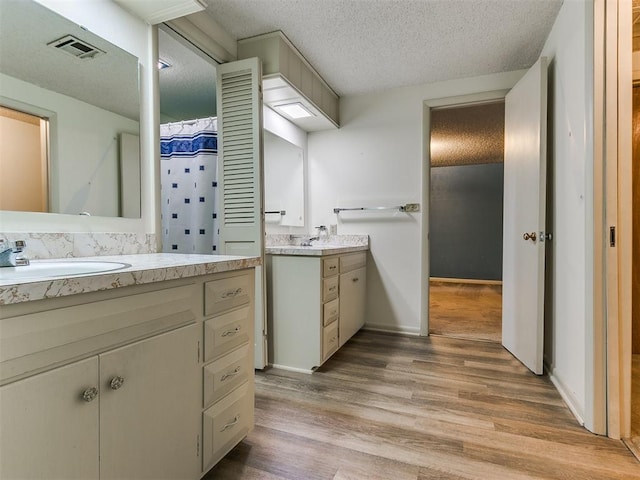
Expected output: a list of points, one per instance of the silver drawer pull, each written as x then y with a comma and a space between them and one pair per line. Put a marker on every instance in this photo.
231, 424
116, 383
231, 332
333, 267
331, 289
355, 279
232, 293
229, 375
90, 394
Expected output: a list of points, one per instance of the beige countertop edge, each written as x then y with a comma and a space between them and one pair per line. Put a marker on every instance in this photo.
144, 269
314, 251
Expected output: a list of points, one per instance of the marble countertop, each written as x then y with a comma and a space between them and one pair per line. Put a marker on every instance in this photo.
142, 269
286, 244
314, 250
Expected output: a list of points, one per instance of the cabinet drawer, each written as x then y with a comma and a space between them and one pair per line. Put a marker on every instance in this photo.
330, 312
227, 293
352, 261
225, 424
330, 288
226, 373
329, 266
329, 340
37, 341
227, 331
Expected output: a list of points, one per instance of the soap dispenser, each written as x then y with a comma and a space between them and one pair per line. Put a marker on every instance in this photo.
323, 233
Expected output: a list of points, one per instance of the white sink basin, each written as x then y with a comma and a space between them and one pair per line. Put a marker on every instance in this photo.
52, 269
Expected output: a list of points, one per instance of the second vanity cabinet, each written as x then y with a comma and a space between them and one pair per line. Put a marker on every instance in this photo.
152, 381
315, 304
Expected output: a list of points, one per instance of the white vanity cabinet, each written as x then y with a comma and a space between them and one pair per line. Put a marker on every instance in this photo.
306, 298
115, 384
353, 294
228, 387
48, 430
149, 408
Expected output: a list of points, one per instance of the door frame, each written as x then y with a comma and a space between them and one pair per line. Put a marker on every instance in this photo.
428, 105
612, 149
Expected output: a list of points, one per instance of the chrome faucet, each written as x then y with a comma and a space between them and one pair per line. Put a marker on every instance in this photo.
12, 256
307, 242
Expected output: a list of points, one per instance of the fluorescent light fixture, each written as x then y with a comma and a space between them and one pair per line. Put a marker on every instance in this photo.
294, 110
162, 64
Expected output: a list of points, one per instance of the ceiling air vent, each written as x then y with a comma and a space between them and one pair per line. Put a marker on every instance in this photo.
76, 47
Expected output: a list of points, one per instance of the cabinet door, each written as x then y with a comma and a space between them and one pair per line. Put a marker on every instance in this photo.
353, 295
48, 430
150, 408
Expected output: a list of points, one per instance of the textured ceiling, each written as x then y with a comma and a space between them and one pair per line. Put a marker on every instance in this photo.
467, 135
361, 46
188, 87
636, 25
109, 81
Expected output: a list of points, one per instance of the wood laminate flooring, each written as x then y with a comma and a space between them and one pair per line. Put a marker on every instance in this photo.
634, 441
418, 408
465, 310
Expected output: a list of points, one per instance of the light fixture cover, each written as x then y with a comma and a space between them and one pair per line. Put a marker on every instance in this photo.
294, 110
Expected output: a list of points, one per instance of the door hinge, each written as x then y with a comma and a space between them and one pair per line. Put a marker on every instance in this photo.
612, 236
198, 351
197, 445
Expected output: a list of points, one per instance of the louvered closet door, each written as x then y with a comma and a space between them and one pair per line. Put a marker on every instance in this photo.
239, 148
240, 176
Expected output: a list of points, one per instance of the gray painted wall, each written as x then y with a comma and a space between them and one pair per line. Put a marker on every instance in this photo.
466, 221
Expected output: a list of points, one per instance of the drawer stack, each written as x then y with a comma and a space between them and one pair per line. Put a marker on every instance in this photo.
330, 306
228, 386
315, 305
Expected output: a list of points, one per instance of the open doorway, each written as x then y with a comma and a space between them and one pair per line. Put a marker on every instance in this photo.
465, 224
635, 309
26, 143
634, 441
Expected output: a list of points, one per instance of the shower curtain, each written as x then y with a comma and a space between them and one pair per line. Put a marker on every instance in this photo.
189, 160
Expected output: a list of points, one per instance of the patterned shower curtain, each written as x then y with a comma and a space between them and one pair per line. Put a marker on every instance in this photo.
189, 160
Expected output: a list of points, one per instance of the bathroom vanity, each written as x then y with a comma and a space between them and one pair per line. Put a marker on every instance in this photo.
316, 302
143, 372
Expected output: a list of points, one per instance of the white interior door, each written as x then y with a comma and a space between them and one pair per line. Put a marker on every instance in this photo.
524, 217
240, 176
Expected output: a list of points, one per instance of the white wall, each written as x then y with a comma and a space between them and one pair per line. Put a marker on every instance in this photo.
106, 19
376, 159
570, 52
293, 134
84, 158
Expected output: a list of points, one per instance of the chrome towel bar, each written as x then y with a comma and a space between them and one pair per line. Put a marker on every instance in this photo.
409, 207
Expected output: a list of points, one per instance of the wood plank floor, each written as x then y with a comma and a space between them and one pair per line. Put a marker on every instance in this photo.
415, 408
634, 441
465, 310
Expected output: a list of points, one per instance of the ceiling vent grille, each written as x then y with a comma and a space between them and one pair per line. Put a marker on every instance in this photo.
76, 47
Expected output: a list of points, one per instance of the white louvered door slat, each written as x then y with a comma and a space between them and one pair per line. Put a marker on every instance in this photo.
239, 136
240, 175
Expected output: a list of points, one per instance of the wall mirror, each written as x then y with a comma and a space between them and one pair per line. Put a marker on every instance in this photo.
283, 182
73, 98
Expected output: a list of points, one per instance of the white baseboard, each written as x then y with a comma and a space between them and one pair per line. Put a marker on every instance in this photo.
414, 331
465, 280
567, 396
291, 369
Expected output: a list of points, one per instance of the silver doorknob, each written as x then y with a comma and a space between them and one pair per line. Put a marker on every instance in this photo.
530, 236
116, 383
90, 394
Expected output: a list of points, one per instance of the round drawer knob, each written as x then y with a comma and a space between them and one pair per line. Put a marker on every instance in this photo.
116, 383
90, 394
